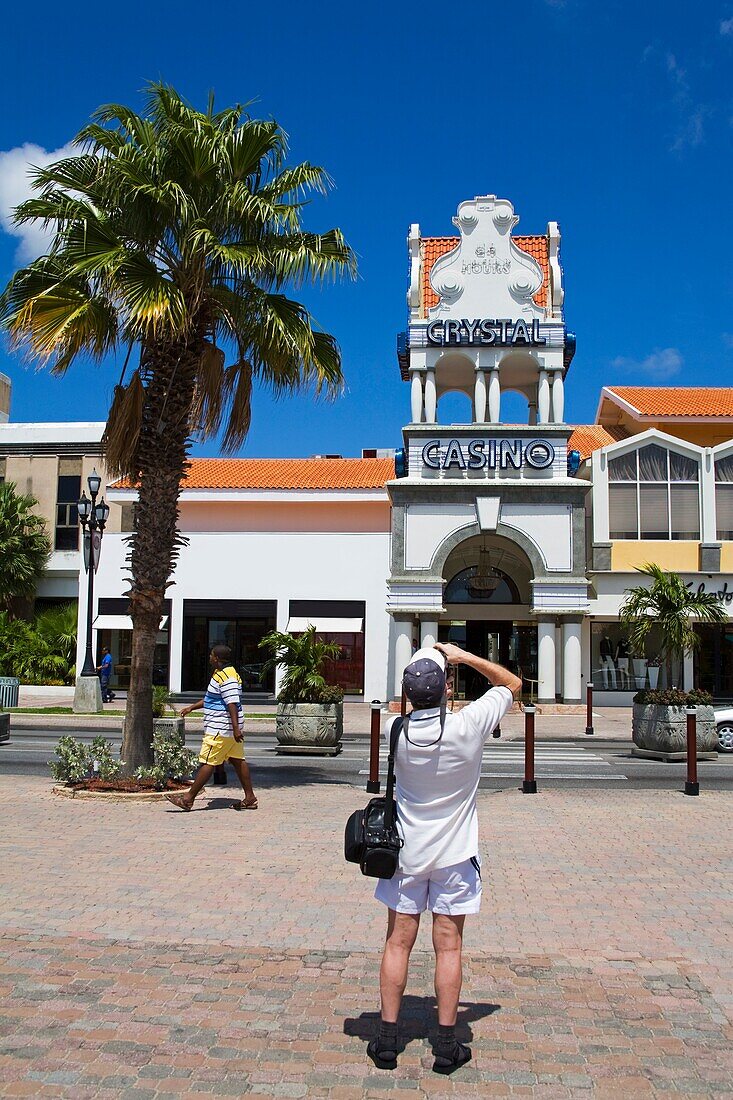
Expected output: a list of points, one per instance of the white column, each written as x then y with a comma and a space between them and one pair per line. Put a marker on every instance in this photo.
431, 397
494, 396
402, 652
543, 398
572, 681
428, 632
688, 672
546, 660
416, 397
558, 398
175, 644
479, 397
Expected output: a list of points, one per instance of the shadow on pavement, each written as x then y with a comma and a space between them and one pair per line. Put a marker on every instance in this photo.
419, 1020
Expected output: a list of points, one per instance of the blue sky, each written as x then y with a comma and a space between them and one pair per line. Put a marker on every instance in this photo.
615, 120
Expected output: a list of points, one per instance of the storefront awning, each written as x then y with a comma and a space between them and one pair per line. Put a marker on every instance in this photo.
298, 624
120, 622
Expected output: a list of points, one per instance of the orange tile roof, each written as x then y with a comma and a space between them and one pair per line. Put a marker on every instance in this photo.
285, 473
588, 438
662, 401
432, 248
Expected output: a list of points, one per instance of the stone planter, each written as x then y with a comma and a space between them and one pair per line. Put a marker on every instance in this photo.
310, 729
170, 727
661, 732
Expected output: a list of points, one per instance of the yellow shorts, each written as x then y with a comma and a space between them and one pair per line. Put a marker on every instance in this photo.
215, 750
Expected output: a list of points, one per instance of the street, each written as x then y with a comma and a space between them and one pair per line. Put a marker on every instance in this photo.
574, 763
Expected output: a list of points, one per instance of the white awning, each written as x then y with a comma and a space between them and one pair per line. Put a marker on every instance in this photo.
297, 625
120, 622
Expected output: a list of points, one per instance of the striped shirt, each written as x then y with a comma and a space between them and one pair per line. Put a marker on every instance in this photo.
224, 687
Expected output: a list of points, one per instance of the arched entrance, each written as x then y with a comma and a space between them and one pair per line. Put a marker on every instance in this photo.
487, 609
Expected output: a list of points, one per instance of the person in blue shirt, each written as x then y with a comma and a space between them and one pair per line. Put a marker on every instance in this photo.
105, 673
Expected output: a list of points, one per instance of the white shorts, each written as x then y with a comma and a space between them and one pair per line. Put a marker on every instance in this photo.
453, 891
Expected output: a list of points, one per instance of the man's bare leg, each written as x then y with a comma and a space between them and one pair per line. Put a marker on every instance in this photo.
448, 944
402, 929
186, 798
241, 767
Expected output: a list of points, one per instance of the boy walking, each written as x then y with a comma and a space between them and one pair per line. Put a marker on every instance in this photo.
223, 731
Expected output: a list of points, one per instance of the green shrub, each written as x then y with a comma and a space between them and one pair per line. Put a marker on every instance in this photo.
673, 697
160, 700
172, 760
77, 761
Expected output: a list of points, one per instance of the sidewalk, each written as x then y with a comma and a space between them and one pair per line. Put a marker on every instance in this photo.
147, 952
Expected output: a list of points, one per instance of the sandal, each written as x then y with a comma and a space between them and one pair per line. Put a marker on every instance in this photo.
383, 1056
179, 801
244, 805
450, 1063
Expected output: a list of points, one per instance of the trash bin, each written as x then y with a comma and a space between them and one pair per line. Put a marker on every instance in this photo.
9, 686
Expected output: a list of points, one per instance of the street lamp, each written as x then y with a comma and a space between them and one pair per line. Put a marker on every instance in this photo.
93, 518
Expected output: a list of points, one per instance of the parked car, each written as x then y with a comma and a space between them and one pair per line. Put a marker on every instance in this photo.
724, 724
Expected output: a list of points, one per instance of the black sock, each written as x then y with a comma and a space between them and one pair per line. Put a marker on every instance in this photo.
387, 1035
446, 1041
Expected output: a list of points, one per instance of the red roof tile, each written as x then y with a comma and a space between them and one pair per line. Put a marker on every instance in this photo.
588, 438
662, 401
286, 473
432, 248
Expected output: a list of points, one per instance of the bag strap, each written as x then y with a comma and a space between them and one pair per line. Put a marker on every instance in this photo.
389, 792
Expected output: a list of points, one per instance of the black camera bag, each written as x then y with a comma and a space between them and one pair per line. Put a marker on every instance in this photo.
371, 838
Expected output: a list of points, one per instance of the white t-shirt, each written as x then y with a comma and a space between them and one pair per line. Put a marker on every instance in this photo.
436, 784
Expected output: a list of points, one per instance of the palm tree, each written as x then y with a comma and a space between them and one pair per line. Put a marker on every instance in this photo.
669, 605
176, 233
303, 658
24, 547
57, 627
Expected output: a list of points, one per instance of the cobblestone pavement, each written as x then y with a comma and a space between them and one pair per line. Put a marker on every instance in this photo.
147, 952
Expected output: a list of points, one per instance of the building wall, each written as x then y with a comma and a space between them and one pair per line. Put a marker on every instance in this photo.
682, 557
227, 565
339, 516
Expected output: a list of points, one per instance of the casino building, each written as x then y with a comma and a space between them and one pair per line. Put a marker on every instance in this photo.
516, 540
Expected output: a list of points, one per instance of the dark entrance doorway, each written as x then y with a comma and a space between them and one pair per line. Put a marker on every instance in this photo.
513, 645
713, 668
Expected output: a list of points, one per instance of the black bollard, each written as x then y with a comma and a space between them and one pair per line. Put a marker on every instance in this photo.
589, 709
691, 784
529, 786
373, 781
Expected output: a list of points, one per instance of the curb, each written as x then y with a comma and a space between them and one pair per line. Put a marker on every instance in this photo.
114, 796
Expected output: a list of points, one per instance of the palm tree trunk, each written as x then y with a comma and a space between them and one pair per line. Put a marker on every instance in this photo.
162, 461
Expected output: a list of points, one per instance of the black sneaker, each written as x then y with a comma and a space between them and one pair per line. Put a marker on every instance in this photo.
383, 1055
453, 1060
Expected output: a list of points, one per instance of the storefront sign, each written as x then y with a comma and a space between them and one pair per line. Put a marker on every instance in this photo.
479, 454
724, 594
501, 331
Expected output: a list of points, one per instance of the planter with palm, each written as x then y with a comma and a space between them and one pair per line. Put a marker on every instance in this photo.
310, 713
665, 611
176, 235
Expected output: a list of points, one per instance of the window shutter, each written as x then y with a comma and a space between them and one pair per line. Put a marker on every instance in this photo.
724, 508
654, 511
622, 512
685, 512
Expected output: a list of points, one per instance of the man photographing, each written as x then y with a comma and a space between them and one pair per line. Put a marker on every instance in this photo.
437, 768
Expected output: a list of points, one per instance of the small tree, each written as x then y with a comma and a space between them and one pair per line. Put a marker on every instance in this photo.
303, 659
24, 546
669, 605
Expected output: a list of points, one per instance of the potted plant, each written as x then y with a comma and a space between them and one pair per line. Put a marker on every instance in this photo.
310, 714
667, 607
165, 725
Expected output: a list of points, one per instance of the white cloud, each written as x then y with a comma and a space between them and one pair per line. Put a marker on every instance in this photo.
726, 27
15, 186
661, 364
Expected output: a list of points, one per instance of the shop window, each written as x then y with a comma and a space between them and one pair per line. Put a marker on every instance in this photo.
615, 668
240, 624
653, 493
724, 497
342, 622
68, 491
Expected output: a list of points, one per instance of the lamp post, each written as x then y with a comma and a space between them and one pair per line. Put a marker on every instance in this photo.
93, 516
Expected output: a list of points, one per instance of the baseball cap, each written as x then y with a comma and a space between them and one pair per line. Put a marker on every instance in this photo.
424, 678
